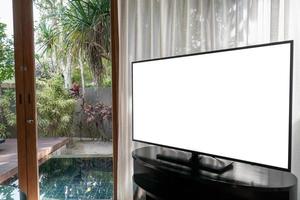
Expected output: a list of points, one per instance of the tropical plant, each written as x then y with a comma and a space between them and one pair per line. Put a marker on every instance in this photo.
77, 76
47, 41
51, 48
95, 117
55, 107
75, 90
6, 56
7, 110
75, 34
86, 25
106, 80
7, 100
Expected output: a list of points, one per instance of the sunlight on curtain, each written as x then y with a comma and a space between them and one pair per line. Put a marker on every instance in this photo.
294, 23
158, 28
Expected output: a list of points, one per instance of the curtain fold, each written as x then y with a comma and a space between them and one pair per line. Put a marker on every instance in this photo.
294, 32
159, 28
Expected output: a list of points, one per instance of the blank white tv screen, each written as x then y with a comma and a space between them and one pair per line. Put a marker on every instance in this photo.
233, 104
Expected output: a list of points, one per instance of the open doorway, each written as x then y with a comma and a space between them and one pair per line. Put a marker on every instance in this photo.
73, 69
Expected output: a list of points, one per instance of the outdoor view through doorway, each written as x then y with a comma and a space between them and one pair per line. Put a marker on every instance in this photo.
73, 98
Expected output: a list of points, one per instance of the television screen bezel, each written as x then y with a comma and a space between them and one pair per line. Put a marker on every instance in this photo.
291, 42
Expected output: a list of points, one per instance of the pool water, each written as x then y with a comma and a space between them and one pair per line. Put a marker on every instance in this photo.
76, 178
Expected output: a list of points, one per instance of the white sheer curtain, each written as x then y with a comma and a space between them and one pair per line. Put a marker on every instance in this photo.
294, 22
157, 28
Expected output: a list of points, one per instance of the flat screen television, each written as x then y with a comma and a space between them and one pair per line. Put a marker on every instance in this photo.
233, 103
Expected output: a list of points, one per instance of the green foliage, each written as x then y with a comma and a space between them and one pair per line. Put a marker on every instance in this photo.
86, 24
106, 75
6, 56
88, 76
55, 107
7, 110
46, 38
48, 33
43, 68
76, 28
7, 97
94, 117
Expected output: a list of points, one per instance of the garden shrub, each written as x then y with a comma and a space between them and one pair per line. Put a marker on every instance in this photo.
95, 117
7, 110
55, 107
6, 56
106, 80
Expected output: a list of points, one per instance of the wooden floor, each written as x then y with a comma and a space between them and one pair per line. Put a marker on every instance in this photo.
8, 154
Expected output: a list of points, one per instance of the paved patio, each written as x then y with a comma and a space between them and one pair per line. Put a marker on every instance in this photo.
8, 154
82, 148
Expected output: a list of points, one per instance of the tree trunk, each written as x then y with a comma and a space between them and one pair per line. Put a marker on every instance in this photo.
54, 58
67, 71
81, 73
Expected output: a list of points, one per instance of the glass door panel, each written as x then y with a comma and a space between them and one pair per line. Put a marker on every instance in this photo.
8, 130
74, 98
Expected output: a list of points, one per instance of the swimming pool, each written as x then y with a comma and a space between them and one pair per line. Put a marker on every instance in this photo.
76, 178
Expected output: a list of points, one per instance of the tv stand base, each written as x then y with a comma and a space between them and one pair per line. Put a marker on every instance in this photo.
197, 162
162, 180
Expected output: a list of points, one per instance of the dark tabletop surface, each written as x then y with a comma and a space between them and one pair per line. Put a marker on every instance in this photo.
242, 174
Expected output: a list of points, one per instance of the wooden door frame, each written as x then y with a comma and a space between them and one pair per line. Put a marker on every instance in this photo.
25, 98
25, 95
115, 90
20, 109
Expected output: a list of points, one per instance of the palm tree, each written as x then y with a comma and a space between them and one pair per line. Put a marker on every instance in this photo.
86, 26
48, 43
75, 32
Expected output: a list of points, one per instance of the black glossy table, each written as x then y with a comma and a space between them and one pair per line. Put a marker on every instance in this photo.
164, 180
11, 193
